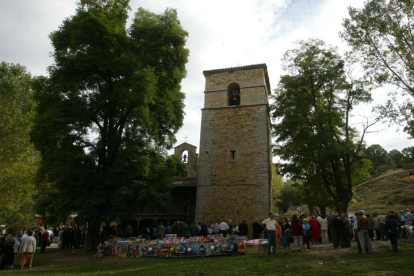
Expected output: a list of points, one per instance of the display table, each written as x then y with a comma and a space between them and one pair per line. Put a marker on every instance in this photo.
173, 247
258, 246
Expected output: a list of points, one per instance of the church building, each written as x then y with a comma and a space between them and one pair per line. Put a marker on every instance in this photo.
231, 176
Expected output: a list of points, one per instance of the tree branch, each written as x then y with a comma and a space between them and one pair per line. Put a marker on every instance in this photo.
388, 66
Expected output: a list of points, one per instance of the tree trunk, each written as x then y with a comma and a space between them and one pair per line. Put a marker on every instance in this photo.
92, 236
311, 208
322, 209
342, 206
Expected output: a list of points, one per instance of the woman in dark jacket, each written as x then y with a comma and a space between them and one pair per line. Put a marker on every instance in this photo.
286, 233
44, 240
391, 227
8, 250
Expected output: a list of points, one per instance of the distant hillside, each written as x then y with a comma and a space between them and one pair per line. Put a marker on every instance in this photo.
393, 191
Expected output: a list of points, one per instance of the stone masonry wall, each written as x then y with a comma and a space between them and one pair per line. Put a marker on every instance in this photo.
241, 189
236, 189
191, 165
252, 88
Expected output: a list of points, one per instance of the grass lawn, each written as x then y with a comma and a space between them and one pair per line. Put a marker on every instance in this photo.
334, 262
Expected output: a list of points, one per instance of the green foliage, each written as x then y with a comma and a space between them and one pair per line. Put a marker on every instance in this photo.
377, 155
313, 193
381, 37
398, 158
408, 166
277, 184
109, 110
287, 197
409, 154
361, 171
379, 158
403, 159
18, 159
311, 112
382, 169
381, 34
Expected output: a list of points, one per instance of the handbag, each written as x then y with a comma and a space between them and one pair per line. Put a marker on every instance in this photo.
290, 238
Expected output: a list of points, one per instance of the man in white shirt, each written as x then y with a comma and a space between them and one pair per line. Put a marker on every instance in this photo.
25, 234
324, 229
270, 225
223, 227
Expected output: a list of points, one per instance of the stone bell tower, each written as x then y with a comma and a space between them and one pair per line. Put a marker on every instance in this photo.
234, 176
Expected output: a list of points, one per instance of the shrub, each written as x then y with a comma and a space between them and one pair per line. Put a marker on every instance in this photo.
382, 169
408, 166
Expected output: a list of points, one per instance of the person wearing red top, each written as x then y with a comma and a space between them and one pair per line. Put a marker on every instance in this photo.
315, 229
44, 240
297, 233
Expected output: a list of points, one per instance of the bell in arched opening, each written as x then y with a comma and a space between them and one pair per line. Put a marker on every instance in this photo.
234, 94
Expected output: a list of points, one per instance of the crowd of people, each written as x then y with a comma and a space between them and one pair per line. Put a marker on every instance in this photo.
299, 231
24, 243
180, 228
340, 230
71, 237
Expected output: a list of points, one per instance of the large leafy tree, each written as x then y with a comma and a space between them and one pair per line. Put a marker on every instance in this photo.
311, 192
287, 197
379, 157
311, 113
398, 158
381, 35
409, 154
108, 111
19, 160
361, 171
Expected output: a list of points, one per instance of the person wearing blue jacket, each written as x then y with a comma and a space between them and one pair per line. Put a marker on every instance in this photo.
391, 227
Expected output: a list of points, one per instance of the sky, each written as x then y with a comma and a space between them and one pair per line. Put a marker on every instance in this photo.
222, 34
